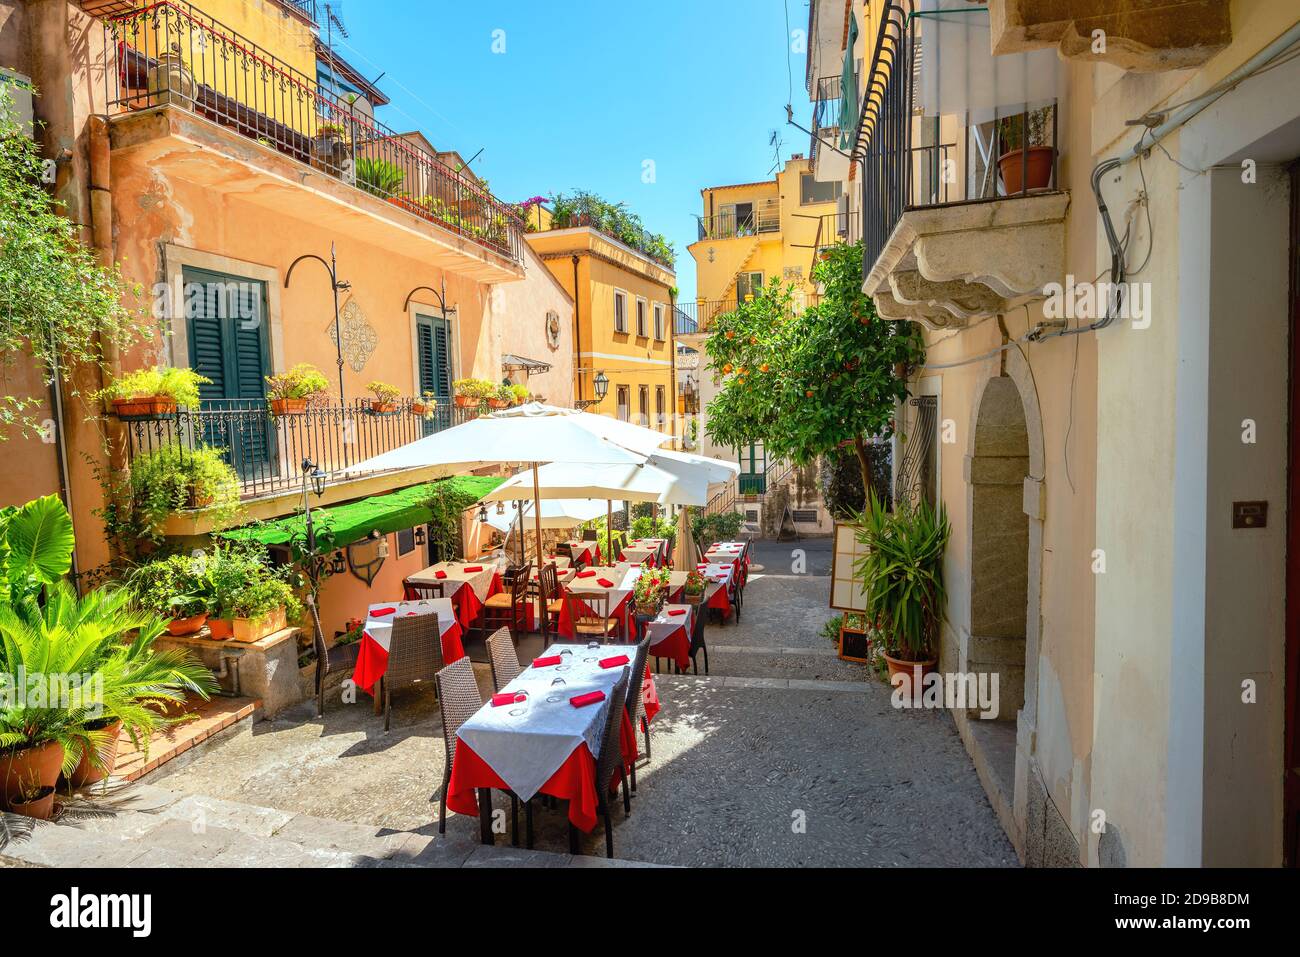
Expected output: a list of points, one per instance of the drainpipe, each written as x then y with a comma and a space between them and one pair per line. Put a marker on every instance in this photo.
577, 329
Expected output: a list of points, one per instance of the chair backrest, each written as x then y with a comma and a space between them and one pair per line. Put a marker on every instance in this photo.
549, 582
458, 700
415, 652
318, 637
588, 608
565, 549
519, 587
505, 659
611, 743
699, 553
590, 535
415, 591
636, 681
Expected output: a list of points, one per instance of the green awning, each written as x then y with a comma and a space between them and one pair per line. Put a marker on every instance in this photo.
340, 525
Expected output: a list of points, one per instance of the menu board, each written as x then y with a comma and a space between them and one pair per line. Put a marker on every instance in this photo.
846, 591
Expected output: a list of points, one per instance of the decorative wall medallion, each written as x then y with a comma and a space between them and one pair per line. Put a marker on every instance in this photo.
364, 560
360, 340
553, 330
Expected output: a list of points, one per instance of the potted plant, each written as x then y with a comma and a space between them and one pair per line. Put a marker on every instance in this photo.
175, 478
902, 577
471, 393
380, 178
1037, 166
97, 763
385, 401
169, 80
651, 591
175, 588
262, 607
33, 800
153, 393
289, 393
425, 405
329, 148
693, 592
519, 393
501, 397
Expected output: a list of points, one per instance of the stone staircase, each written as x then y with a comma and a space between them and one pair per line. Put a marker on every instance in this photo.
146, 826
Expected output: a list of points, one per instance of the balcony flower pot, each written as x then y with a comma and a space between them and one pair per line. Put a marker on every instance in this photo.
248, 630
86, 773
179, 627
39, 807
288, 406
170, 80
382, 408
35, 766
329, 151
145, 407
1037, 168
898, 666
221, 629
499, 403
419, 408
466, 402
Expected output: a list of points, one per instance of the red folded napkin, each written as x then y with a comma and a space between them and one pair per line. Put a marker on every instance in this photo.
591, 697
587, 574
547, 662
614, 662
605, 582
382, 612
503, 699
677, 611
473, 568
440, 574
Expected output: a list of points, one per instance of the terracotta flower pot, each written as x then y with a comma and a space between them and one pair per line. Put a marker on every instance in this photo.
418, 408
466, 402
288, 406
144, 406
37, 766
221, 629
382, 408
498, 404
86, 772
178, 627
1037, 168
39, 808
897, 666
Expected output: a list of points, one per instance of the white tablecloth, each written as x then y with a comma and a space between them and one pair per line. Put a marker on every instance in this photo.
379, 627
665, 625
527, 749
480, 581
716, 577
724, 553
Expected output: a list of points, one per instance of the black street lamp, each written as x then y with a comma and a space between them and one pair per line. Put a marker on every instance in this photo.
313, 476
602, 386
337, 285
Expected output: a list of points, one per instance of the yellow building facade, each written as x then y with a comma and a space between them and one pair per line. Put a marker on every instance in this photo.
623, 327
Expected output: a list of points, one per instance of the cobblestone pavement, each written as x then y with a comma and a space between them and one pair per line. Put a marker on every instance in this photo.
783, 755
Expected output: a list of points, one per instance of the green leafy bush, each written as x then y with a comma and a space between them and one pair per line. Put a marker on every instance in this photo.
379, 177
245, 585
647, 527
174, 478
303, 381
717, 527
174, 587
181, 385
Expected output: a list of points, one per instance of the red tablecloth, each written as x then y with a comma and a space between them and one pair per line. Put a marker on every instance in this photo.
372, 660
565, 626
575, 781
676, 646
468, 607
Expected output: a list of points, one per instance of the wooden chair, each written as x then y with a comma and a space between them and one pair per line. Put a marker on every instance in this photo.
635, 705
590, 535
504, 658
589, 612
414, 656
510, 608
416, 591
338, 658
550, 601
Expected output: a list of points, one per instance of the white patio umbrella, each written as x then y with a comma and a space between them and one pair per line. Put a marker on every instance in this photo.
530, 434
556, 512
684, 555
656, 479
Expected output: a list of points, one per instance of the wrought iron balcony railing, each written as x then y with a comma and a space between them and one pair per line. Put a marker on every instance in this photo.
826, 112
696, 316
169, 53
306, 8
746, 219
833, 229
267, 451
984, 161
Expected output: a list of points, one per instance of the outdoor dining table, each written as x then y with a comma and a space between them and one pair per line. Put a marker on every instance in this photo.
468, 585
621, 579
588, 553
538, 742
670, 633
655, 549
717, 582
722, 553
377, 635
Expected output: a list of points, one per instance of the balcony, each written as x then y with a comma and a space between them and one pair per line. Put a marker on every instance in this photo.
691, 318
744, 219
828, 162
266, 451
833, 229
171, 58
959, 219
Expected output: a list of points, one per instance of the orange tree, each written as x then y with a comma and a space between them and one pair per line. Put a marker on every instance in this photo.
806, 384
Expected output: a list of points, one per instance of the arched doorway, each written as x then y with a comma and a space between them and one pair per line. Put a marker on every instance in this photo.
999, 541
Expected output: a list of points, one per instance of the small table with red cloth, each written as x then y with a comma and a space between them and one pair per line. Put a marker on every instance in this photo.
377, 634
670, 634
482, 578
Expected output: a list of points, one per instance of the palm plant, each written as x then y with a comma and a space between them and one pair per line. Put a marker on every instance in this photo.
902, 574
379, 177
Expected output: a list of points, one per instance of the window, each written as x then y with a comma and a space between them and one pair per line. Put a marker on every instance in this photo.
748, 284
621, 392
659, 321
640, 318
643, 406
660, 419
811, 191
620, 311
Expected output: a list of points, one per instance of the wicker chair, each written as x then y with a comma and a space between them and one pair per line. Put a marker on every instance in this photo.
416, 591
610, 764
504, 658
589, 613
458, 701
338, 658
550, 601
635, 703
510, 608
414, 656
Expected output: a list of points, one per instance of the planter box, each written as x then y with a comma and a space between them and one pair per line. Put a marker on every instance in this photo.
144, 407
288, 406
248, 630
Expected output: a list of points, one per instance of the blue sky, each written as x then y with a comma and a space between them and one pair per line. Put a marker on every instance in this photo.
586, 91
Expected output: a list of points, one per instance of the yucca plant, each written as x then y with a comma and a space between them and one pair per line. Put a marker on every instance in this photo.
902, 574
379, 176
105, 643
